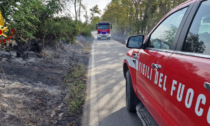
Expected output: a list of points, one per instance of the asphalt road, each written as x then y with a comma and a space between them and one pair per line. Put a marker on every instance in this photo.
105, 104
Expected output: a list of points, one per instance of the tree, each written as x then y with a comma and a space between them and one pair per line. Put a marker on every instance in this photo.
75, 9
80, 6
94, 21
35, 21
136, 16
86, 15
95, 10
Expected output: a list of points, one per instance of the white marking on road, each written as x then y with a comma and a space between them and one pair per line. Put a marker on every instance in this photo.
94, 117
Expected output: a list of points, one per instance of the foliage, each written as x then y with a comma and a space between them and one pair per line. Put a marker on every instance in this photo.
61, 28
35, 19
75, 81
86, 31
95, 10
94, 21
136, 16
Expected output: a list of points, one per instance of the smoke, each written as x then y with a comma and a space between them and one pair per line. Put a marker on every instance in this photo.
120, 34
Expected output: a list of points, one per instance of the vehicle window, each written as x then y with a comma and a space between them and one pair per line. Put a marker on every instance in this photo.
163, 36
198, 37
103, 27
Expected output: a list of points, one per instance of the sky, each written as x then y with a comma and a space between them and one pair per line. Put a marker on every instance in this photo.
90, 3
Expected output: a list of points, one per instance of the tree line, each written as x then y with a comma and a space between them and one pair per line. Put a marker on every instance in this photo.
39, 21
136, 16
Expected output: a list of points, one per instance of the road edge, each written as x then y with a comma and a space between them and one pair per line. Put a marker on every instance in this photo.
90, 110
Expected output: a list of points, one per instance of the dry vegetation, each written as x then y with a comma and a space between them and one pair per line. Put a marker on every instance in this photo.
45, 91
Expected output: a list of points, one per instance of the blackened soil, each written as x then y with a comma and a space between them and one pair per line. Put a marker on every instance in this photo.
32, 91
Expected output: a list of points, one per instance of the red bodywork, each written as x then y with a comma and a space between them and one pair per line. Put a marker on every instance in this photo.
175, 94
103, 31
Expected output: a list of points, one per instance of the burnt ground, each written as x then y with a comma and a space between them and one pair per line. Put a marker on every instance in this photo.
33, 92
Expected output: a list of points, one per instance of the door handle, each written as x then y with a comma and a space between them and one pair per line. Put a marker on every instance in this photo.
156, 66
207, 85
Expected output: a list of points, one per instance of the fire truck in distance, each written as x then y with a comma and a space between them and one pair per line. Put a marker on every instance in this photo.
103, 30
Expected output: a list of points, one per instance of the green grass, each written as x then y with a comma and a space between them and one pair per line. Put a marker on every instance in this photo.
76, 80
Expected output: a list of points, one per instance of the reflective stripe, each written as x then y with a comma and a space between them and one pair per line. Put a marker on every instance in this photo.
131, 62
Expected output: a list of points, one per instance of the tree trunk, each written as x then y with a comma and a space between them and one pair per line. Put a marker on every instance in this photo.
75, 9
80, 6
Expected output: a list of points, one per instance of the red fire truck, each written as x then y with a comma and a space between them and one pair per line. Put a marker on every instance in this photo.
103, 30
169, 69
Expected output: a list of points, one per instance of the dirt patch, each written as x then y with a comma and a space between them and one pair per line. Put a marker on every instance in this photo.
33, 91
